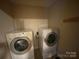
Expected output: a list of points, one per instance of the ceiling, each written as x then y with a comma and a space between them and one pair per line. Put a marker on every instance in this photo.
41, 3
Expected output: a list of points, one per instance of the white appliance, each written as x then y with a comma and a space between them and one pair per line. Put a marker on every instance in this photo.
21, 45
48, 42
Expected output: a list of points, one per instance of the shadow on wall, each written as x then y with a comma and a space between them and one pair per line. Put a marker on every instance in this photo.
4, 52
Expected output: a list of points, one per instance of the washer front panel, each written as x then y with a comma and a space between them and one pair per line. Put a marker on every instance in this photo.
20, 45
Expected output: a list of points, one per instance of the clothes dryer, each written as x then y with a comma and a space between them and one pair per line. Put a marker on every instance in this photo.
48, 42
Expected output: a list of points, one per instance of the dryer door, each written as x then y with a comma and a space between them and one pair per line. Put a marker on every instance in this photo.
20, 45
51, 39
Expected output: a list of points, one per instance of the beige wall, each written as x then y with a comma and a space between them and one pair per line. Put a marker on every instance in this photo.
6, 22
26, 14
35, 24
34, 12
69, 32
6, 25
6, 6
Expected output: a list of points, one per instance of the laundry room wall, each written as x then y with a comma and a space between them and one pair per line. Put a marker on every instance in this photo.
33, 12
6, 6
22, 12
69, 31
6, 25
30, 17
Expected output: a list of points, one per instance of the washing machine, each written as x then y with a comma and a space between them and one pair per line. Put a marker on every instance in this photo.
21, 45
49, 42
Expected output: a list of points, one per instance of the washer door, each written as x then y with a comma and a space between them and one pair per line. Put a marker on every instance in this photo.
51, 39
20, 45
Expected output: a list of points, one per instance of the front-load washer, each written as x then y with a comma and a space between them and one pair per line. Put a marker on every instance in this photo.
48, 42
21, 45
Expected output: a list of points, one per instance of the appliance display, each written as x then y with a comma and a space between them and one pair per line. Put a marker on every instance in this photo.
21, 45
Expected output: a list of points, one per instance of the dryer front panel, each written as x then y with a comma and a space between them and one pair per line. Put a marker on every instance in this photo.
51, 39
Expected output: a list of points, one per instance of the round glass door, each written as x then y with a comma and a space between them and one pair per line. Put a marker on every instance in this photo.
51, 39
21, 45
